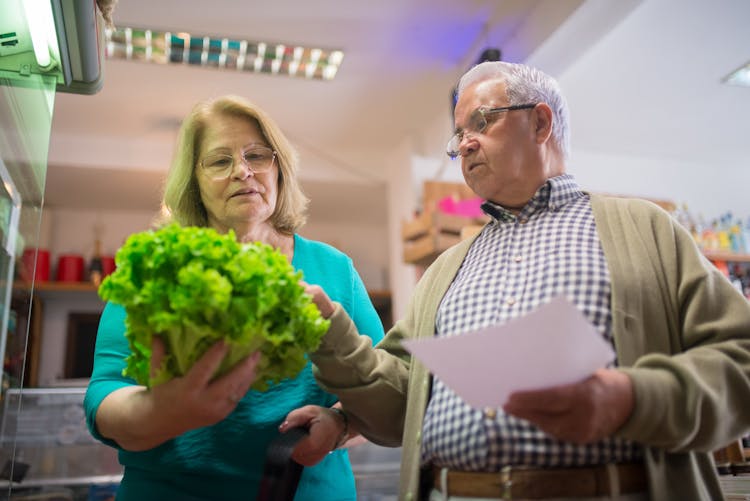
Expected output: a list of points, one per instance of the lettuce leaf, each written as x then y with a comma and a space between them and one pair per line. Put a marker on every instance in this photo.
192, 287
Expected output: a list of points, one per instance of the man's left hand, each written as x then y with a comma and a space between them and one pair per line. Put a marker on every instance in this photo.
324, 429
582, 412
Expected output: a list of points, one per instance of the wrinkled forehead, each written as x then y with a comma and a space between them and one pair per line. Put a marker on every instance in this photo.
220, 128
485, 93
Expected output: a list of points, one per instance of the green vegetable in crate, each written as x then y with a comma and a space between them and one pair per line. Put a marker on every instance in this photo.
193, 287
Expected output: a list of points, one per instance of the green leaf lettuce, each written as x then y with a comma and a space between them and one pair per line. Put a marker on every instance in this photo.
193, 287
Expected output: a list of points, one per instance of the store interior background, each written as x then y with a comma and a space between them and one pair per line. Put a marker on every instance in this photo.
650, 115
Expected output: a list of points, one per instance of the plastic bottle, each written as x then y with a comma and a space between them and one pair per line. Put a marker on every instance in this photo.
709, 238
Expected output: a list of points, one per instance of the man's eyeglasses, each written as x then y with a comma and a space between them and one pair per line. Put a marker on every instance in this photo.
218, 166
476, 125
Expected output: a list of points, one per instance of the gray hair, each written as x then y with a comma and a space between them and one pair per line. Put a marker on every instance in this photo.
524, 84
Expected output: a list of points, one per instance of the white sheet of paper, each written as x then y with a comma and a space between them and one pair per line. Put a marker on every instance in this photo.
552, 345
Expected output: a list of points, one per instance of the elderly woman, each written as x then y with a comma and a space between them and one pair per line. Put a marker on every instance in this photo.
196, 438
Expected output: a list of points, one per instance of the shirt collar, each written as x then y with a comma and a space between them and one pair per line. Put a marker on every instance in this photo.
555, 193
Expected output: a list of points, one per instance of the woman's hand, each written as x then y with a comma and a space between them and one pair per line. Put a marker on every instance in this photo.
195, 397
326, 428
139, 419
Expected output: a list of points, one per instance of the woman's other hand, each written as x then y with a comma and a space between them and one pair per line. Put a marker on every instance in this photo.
139, 419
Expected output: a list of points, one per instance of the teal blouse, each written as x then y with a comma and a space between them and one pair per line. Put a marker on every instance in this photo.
225, 461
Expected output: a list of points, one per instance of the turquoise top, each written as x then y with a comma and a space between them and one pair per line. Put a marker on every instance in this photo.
225, 461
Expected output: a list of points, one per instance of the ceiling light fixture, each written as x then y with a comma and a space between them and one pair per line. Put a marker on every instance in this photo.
165, 47
740, 76
42, 29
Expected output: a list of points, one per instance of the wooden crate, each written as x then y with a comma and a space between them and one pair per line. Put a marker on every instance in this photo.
433, 191
429, 234
432, 231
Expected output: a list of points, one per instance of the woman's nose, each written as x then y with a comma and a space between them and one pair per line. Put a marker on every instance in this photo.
241, 169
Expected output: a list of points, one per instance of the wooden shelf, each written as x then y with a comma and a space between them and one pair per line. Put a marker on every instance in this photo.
66, 286
716, 255
57, 290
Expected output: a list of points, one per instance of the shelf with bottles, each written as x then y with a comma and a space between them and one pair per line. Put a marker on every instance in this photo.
726, 256
723, 238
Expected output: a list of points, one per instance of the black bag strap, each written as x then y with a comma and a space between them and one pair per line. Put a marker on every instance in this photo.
281, 473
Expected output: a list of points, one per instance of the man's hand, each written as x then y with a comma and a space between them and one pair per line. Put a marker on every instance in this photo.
582, 412
320, 298
325, 428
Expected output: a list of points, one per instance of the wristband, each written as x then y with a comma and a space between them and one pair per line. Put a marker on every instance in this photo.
344, 434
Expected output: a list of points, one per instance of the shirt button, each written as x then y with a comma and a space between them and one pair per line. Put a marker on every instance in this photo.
510, 301
490, 413
518, 258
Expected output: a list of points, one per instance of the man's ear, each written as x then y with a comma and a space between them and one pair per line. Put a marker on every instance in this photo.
543, 122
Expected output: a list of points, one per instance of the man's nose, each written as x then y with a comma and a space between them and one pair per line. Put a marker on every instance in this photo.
467, 145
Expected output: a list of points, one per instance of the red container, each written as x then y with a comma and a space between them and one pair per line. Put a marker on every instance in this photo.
108, 265
70, 268
35, 261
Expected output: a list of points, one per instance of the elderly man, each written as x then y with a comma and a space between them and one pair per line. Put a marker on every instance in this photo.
643, 429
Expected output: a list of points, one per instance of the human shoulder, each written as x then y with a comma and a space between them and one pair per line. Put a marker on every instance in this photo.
634, 206
314, 248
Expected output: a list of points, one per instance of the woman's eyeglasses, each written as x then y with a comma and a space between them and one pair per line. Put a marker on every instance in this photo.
218, 166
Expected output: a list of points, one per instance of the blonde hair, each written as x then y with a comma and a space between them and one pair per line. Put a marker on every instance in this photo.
182, 200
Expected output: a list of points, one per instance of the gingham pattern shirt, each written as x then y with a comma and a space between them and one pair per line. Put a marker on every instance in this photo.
515, 265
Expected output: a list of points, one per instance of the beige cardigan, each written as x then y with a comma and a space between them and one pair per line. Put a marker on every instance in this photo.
681, 330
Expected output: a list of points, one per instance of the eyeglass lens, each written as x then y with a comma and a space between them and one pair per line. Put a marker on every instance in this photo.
476, 125
220, 165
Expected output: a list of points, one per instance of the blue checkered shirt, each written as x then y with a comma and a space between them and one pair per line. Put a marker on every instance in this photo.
515, 265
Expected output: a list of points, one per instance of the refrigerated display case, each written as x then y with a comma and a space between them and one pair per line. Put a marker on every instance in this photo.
47, 47
25, 121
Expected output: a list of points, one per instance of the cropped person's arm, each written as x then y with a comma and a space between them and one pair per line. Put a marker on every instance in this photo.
370, 382
692, 388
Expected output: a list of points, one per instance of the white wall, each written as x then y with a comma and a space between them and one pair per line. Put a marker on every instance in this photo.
704, 193
72, 231
367, 245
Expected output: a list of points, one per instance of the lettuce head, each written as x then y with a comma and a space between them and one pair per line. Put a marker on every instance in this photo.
193, 286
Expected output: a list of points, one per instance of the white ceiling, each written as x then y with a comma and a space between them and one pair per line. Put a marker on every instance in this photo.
641, 76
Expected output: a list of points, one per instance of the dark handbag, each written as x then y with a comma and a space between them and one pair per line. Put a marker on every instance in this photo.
281, 473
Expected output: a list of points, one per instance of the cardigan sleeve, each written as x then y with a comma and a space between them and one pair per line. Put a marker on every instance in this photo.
682, 332
373, 383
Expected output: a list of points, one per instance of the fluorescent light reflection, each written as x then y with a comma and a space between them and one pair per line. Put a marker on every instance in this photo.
42, 30
740, 76
222, 53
